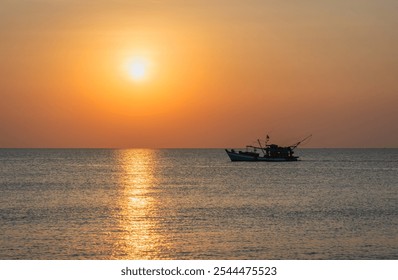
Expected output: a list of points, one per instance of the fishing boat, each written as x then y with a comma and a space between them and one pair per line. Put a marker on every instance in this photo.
266, 152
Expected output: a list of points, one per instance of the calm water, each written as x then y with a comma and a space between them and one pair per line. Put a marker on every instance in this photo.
196, 204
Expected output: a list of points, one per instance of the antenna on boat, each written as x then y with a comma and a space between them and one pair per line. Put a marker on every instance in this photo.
299, 142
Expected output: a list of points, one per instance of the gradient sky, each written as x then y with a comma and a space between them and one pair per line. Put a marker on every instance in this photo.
217, 73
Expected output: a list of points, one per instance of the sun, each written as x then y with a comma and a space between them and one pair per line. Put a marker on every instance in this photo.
138, 69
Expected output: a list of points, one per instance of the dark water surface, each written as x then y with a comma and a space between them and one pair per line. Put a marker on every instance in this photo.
196, 204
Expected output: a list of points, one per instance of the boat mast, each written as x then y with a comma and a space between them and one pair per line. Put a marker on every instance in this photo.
261, 147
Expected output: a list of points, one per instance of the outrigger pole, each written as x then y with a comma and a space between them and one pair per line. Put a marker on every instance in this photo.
298, 143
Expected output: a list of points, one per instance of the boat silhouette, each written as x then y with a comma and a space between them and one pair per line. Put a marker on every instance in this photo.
266, 152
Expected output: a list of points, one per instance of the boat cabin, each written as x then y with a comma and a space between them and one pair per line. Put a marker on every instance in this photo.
278, 152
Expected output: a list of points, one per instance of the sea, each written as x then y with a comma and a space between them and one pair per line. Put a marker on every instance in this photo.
195, 204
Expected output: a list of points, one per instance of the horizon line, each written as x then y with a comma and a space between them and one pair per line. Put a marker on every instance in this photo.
176, 148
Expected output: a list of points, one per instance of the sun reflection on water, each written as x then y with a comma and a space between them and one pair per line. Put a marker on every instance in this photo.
137, 206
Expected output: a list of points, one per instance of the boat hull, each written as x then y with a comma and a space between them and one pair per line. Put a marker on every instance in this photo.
235, 156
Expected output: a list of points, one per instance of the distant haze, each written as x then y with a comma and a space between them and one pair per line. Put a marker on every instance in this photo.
169, 74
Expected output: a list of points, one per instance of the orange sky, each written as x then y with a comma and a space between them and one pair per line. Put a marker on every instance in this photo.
217, 74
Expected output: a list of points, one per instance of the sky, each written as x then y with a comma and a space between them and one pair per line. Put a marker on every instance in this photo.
198, 74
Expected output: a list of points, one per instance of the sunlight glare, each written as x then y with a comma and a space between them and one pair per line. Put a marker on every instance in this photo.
138, 69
